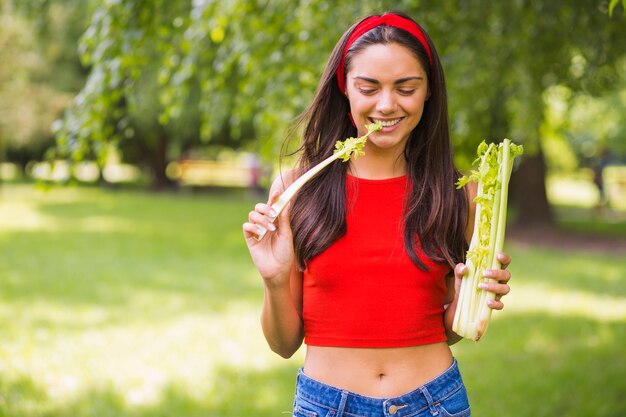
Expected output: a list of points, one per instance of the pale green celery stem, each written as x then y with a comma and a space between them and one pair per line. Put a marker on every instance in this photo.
484, 296
470, 316
288, 194
465, 312
473, 314
462, 310
504, 177
493, 235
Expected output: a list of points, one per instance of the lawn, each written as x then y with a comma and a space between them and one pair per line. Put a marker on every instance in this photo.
120, 303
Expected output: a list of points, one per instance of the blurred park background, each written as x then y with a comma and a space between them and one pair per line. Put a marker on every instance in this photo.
136, 135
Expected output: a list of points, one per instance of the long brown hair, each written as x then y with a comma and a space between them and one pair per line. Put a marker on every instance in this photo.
435, 212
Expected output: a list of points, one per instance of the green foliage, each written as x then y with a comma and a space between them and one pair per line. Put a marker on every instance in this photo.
122, 46
257, 62
614, 4
253, 66
499, 57
243, 58
39, 73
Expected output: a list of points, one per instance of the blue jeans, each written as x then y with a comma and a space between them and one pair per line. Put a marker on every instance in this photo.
444, 396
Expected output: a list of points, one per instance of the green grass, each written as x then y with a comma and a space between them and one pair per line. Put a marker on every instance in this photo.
142, 305
558, 347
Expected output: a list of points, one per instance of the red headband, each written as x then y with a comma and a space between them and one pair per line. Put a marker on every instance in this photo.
372, 22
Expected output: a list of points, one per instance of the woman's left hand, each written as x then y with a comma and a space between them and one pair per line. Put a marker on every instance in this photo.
501, 285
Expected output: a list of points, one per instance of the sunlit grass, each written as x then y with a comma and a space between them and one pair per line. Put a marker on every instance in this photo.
580, 191
557, 348
566, 282
136, 304
127, 299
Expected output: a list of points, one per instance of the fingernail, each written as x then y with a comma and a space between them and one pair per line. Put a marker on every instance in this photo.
491, 303
488, 273
273, 213
260, 230
482, 286
271, 226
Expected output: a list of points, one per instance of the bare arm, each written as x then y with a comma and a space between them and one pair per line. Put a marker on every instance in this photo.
281, 318
274, 258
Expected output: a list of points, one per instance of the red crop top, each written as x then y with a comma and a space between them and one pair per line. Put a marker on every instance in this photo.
364, 290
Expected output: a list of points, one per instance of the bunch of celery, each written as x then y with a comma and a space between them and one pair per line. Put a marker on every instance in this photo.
343, 150
495, 163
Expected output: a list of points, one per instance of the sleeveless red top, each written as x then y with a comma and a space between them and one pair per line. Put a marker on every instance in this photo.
364, 290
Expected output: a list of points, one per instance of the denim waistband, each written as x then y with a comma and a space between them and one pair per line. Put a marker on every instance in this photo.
347, 403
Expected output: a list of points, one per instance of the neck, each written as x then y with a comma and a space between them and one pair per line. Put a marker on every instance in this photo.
375, 166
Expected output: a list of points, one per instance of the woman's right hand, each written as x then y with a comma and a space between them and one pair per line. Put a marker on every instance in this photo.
273, 255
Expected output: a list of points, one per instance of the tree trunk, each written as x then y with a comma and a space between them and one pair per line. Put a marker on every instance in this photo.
528, 192
158, 165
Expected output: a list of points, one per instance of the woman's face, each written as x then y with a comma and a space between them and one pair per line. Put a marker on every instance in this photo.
386, 84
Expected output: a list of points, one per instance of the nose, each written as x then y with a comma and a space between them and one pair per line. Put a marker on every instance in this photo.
386, 102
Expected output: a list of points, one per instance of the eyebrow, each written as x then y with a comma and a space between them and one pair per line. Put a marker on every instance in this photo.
398, 81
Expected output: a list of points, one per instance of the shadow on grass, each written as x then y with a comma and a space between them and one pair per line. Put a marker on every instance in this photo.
111, 269
237, 393
76, 204
107, 249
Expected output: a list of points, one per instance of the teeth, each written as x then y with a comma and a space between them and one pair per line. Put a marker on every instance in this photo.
386, 123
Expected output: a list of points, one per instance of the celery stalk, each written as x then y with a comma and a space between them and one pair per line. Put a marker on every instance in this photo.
495, 164
344, 151
506, 168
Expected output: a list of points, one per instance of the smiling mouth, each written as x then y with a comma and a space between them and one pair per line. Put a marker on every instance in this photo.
386, 123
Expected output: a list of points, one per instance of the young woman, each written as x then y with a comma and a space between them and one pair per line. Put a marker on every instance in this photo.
365, 265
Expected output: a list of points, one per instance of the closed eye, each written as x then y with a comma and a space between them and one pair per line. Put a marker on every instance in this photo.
367, 91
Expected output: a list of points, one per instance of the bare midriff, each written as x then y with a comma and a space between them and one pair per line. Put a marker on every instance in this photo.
379, 373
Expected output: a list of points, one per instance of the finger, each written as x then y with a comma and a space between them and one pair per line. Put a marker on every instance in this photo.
261, 219
459, 270
251, 231
500, 275
270, 214
265, 209
495, 305
505, 259
499, 289
283, 220
273, 197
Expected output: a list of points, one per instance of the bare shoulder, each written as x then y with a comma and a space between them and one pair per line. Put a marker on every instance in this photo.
471, 191
283, 180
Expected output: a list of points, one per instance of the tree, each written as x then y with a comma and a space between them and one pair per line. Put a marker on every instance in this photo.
501, 57
257, 63
254, 66
38, 69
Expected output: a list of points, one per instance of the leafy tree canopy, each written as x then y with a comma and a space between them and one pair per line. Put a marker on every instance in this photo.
260, 61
